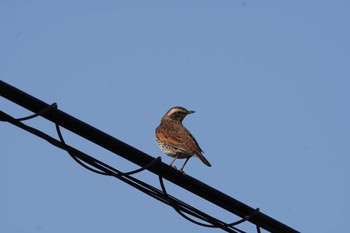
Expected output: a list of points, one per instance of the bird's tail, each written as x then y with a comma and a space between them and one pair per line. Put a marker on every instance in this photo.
204, 160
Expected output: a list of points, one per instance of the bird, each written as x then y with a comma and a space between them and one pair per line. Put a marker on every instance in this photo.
175, 140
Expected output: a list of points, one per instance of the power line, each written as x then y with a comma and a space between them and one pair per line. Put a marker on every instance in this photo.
140, 158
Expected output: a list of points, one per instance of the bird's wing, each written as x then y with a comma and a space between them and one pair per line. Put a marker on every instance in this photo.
173, 140
184, 142
191, 140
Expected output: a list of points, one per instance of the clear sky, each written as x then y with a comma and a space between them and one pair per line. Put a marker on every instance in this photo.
269, 81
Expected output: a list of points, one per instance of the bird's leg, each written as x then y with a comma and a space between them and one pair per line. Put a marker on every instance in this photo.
171, 164
182, 168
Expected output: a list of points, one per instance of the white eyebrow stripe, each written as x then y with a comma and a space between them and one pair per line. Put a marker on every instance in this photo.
173, 111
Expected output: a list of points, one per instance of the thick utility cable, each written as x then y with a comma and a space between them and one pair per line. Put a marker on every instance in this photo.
142, 159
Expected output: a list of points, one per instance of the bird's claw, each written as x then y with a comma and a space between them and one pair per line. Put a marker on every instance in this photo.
180, 170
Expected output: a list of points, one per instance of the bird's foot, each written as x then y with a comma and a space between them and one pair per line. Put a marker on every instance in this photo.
182, 171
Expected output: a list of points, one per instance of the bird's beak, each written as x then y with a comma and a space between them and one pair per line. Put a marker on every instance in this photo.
190, 112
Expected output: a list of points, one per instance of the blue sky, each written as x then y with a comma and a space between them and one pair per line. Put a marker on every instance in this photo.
269, 81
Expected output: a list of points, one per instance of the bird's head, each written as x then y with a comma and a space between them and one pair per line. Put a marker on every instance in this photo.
177, 113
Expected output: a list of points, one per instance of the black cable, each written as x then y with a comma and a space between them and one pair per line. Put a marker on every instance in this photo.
138, 157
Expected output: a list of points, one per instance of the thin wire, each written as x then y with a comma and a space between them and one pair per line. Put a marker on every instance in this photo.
104, 169
250, 216
40, 113
258, 229
177, 205
59, 133
156, 160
